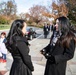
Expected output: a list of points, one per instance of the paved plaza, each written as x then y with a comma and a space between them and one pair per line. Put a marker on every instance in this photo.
38, 60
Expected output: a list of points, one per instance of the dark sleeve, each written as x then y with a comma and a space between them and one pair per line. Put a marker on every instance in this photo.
47, 48
68, 53
23, 49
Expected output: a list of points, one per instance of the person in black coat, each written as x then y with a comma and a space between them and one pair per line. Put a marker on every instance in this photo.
60, 49
18, 46
46, 30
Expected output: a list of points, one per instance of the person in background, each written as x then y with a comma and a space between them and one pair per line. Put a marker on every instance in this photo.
60, 49
3, 47
46, 30
48, 26
18, 46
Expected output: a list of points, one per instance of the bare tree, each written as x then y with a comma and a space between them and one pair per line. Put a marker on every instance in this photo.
71, 4
11, 8
8, 9
59, 10
22, 15
36, 13
2, 8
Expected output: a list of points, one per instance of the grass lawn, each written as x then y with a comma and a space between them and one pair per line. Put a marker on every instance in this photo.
4, 27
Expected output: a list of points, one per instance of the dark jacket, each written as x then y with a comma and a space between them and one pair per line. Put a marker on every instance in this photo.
22, 64
45, 29
61, 56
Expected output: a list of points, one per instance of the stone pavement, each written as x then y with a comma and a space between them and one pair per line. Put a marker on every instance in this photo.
38, 60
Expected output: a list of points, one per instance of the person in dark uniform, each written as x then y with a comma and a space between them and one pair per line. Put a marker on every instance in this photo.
18, 46
46, 30
48, 26
60, 49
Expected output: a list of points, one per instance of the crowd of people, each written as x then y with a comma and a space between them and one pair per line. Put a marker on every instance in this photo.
47, 28
60, 49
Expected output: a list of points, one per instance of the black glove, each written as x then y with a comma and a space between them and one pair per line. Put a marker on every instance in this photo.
51, 58
47, 55
43, 51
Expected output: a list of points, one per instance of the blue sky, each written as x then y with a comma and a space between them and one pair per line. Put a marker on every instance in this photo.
24, 5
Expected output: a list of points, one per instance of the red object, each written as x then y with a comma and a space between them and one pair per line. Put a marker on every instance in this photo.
4, 61
3, 33
1, 60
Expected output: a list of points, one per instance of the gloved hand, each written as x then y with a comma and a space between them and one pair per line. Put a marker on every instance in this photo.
47, 55
51, 58
43, 51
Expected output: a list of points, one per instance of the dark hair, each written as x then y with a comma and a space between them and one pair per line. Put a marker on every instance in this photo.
15, 29
3, 33
66, 33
